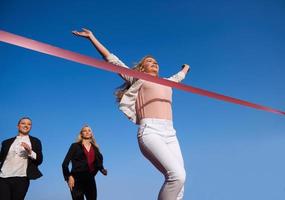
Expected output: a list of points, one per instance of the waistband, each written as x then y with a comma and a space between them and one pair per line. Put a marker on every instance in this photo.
156, 121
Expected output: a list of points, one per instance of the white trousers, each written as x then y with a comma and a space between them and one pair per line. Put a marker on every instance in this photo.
158, 143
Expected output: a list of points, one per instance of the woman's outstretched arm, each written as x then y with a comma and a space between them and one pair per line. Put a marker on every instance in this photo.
181, 74
105, 53
89, 35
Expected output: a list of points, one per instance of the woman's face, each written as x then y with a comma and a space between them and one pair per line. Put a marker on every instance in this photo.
86, 133
24, 126
150, 66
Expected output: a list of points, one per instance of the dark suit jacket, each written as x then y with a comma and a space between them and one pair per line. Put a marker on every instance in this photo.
33, 171
78, 159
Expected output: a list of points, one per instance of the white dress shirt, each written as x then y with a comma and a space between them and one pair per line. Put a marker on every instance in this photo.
16, 162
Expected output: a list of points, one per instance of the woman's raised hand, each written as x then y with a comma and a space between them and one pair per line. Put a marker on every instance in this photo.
185, 68
85, 33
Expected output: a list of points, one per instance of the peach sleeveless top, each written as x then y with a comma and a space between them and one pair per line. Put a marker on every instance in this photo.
154, 101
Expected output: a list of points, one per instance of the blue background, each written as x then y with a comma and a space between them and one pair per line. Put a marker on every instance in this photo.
235, 48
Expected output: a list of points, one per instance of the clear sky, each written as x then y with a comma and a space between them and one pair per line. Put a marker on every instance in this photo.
235, 48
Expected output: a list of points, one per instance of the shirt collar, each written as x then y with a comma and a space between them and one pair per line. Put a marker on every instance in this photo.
22, 137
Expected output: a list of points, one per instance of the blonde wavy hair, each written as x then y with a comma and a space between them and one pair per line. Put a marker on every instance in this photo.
121, 90
93, 140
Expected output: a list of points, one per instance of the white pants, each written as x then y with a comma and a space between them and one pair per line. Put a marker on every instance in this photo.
158, 143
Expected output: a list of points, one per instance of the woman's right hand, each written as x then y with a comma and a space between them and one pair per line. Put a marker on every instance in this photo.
88, 34
85, 33
71, 182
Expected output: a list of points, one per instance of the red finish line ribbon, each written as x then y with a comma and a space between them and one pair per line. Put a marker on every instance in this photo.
86, 60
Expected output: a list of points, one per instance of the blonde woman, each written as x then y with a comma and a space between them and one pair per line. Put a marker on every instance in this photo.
86, 161
150, 106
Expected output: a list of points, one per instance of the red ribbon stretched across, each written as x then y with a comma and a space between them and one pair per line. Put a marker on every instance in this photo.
69, 55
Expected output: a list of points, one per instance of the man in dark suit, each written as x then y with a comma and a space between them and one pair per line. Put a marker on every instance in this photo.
20, 157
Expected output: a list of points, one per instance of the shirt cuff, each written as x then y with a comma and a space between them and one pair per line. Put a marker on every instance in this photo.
181, 74
111, 58
33, 155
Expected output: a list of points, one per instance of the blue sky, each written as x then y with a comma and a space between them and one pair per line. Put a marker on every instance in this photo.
234, 48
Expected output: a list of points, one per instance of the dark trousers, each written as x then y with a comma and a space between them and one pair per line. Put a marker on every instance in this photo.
84, 185
14, 188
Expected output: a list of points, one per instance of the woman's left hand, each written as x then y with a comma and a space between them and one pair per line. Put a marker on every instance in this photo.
185, 68
104, 172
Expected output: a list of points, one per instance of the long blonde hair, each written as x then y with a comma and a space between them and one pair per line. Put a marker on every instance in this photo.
79, 137
121, 90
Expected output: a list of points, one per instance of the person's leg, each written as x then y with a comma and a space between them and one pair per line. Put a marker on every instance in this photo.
155, 148
19, 187
77, 190
5, 190
174, 147
90, 189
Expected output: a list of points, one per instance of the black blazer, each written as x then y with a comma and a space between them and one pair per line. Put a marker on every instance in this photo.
33, 171
78, 159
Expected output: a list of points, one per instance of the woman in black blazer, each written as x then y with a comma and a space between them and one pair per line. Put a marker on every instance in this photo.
86, 161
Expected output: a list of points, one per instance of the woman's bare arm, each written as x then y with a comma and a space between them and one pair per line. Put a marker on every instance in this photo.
98, 45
